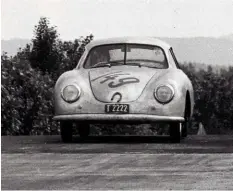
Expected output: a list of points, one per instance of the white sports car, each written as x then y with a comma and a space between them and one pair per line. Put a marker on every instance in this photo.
124, 80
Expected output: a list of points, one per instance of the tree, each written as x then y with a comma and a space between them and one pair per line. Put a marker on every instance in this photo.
44, 55
70, 53
28, 79
26, 95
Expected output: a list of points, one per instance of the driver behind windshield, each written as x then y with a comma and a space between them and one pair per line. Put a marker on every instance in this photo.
99, 55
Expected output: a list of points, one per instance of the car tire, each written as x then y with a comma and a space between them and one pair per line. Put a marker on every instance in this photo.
185, 126
84, 130
187, 122
175, 130
66, 131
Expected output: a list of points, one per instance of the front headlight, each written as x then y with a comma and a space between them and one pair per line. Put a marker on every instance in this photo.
164, 93
71, 93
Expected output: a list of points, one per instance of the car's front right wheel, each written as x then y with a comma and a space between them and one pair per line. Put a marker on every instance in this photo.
66, 131
84, 130
175, 130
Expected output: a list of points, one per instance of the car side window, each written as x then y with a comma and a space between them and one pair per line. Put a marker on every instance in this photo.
173, 58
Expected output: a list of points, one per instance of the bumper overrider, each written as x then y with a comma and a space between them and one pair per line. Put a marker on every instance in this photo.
104, 118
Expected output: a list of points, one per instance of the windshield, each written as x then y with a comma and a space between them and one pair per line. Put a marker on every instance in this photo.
128, 54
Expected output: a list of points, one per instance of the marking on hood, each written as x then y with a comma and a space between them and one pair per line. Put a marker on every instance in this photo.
123, 81
115, 79
105, 75
115, 94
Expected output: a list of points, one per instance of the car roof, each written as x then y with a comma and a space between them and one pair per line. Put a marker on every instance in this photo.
134, 40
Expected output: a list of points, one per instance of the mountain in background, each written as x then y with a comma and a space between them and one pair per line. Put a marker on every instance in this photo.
228, 37
12, 46
212, 51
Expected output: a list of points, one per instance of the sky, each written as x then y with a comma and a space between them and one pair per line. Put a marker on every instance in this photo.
112, 18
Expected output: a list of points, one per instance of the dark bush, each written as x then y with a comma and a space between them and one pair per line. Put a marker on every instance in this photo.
213, 97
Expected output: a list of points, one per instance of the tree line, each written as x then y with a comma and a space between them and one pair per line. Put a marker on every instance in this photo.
28, 79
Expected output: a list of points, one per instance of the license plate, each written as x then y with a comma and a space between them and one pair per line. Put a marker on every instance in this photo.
117, 108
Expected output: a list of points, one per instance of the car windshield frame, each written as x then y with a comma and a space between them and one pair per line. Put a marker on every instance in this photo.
125, 55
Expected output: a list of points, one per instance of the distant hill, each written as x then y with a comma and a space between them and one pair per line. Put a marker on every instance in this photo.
228, 37
12, 46
213, 51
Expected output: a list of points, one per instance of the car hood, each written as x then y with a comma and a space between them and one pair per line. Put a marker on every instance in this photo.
121, 83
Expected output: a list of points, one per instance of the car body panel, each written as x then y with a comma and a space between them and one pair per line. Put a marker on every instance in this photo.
129, 40
139, 94
129, 81
129, 118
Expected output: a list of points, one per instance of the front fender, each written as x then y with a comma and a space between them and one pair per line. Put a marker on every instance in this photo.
79, 78
179, 81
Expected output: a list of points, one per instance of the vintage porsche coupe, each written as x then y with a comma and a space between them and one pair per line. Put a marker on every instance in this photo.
124, 80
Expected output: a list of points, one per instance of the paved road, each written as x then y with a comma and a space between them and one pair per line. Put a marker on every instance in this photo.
44, 162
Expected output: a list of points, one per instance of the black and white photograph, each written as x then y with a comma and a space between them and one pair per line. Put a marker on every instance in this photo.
117, 94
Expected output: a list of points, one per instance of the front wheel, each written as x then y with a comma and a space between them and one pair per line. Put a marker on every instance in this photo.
84, 130
185, 126
66, 131
175, 132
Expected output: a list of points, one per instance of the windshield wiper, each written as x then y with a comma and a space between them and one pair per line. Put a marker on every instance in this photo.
134, 64
109, 64
101, 64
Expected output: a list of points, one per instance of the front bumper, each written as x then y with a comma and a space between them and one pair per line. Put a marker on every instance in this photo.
104, 118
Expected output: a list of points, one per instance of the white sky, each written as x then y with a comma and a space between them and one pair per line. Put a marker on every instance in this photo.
110, 18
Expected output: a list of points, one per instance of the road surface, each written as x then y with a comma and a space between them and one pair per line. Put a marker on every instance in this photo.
104, 163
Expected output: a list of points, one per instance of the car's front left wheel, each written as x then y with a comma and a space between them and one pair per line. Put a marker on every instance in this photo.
187, 123
66, 131
175, 132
